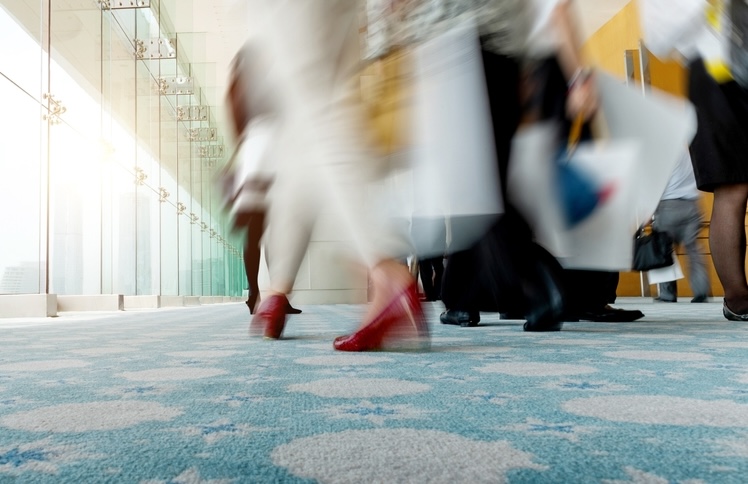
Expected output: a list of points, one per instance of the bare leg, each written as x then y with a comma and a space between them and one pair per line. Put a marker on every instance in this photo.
255, 224
727, 242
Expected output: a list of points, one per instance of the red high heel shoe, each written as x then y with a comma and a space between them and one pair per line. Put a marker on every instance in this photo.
400, 325
270, 318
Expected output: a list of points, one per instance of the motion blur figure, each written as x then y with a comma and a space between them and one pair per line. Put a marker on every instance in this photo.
679, 215
248, 174
711, 38
518, 274
325, 159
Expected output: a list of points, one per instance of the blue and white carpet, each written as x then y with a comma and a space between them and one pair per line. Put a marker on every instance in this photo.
183, 396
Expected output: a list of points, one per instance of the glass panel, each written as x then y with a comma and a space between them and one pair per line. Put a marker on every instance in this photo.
21, 247
75, 155
119, 136
168, 172
23, 191
147, 172
184, 203
21, 35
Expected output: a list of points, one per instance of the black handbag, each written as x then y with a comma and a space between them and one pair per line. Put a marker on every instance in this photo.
652, 250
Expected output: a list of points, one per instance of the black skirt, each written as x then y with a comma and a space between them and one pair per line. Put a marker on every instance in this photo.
719, 150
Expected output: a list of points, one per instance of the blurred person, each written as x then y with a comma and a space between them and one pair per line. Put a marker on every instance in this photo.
589, 294
519, 272
325, 160
711, 38
248, 184
679, 215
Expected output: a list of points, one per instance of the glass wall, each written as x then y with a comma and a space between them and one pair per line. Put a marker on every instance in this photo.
110, 153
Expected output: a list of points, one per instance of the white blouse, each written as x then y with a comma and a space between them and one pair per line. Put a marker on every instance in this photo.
503, 25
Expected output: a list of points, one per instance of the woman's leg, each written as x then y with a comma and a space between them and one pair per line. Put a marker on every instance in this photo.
727, 242
255, 224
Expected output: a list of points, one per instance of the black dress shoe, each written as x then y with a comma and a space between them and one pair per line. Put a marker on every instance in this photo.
700, 299
511, 315
460, 318
660, 299
608, 314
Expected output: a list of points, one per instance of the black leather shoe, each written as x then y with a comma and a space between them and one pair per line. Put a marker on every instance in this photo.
543, 326
511, 315
700, 299
608, 314
659, 299
460, 318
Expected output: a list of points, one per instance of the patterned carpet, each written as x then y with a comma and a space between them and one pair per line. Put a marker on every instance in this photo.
183, 396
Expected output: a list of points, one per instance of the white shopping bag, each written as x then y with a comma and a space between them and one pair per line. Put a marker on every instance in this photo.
645, 138
454, 170
671, 25
666, 274
601, 241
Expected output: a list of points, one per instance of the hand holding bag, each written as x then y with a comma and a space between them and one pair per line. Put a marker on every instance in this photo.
652, 249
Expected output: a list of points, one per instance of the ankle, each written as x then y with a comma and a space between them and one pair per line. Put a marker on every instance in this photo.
737, 305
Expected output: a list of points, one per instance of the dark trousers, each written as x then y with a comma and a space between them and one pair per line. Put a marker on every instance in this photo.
432, 273
465, 287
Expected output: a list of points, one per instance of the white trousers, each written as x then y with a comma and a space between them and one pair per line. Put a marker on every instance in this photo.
325, 159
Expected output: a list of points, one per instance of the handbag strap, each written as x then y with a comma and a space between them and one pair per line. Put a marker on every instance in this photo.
575, 133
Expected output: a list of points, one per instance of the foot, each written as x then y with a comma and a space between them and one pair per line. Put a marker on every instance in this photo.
609, 314
700, 299
511, 315
665, 300
728, 314
460, 318
400, 325
270, 318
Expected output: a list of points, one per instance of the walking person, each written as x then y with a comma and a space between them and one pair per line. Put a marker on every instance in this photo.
711, 38
325, 160
247, 175
679, 215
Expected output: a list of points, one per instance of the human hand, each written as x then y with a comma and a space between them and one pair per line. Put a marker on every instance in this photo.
582, 98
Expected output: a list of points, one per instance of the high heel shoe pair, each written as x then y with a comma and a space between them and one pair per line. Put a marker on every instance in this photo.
400, 325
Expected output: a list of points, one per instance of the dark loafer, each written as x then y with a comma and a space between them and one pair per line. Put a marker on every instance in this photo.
460, 318
608, 314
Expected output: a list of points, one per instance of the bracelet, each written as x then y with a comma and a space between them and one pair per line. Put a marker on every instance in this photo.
580, 76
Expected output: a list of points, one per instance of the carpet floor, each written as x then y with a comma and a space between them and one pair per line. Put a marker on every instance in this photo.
184, 396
